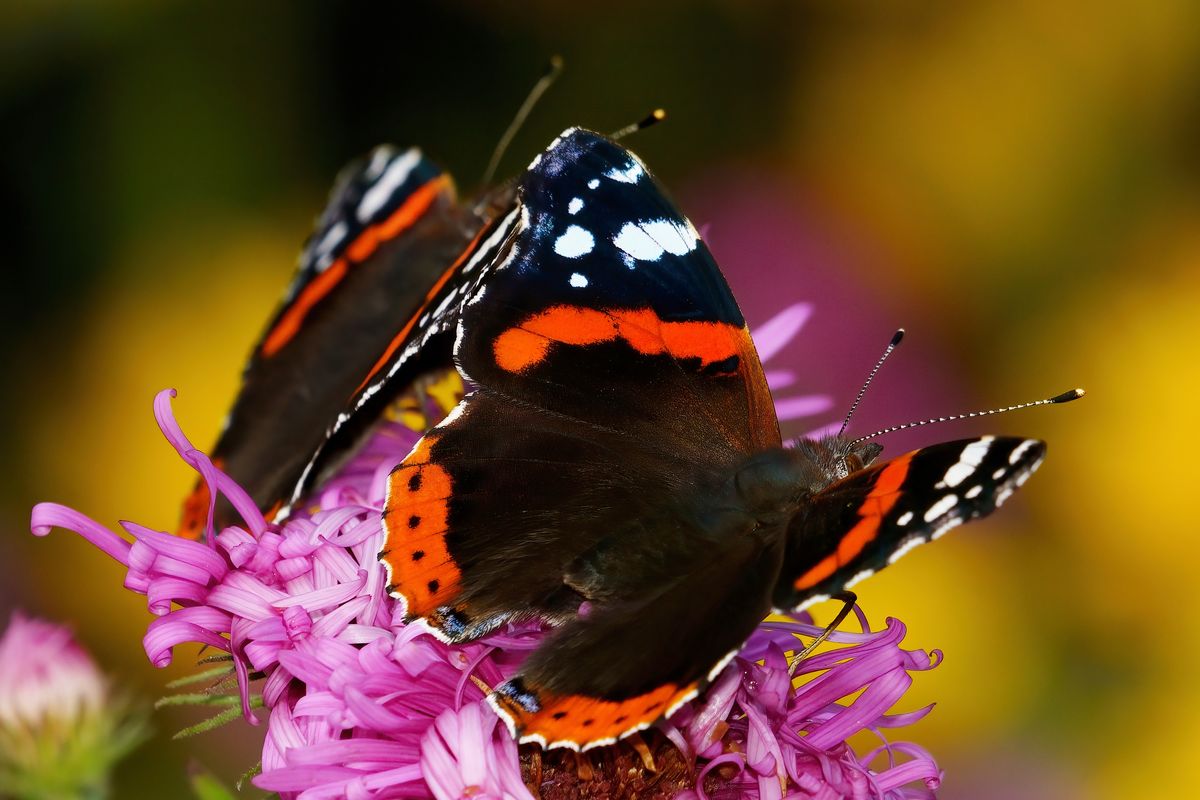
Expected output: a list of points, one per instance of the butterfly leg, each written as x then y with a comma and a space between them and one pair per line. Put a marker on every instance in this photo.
848, 599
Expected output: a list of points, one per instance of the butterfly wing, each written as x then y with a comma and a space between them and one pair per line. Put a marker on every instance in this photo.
391, 227
422, 340
604, 675
605, 306
871, 518
617, 386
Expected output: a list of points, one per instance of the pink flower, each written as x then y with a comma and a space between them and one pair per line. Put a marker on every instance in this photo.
360, 705
61, 726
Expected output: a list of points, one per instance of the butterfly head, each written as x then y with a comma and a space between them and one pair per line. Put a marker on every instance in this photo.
834, 457
771, 481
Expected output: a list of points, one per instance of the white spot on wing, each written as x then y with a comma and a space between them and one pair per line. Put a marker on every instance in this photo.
941, 507
578, 281
378, 195
905, 518
860, 577
379, 159
593, 183
950, 525
970, 458
812, 601
632, 239
720, 665
674, 237
489, 246
647, 241
574, 242
906, 547
678, 704
630, 174
973, 492
1022, 448
329, 241
575, 204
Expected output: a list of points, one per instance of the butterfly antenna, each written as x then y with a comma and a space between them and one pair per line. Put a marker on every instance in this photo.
896, 337
553, 70
653, 118
1065, 397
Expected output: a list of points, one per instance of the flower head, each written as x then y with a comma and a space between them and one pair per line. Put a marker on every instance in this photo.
361, 705
61, 728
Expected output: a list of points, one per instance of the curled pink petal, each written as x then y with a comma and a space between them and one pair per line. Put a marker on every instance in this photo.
46, 516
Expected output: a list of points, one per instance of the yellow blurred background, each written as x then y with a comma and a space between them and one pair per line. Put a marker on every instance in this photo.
1015, 182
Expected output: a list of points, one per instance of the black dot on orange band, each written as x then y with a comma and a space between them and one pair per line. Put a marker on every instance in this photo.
391, 587
433, 587
653, 707
620, 719
414, 521
587, 723
559, 714
418, 555
414, 483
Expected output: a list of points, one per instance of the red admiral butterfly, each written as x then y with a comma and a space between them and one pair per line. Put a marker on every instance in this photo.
617, 469
378, 257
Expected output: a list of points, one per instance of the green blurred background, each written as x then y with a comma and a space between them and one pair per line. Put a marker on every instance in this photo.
1015, 182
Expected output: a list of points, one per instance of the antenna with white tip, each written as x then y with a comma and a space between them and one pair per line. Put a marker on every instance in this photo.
553, 70
653, 118
896, 337
1065, 397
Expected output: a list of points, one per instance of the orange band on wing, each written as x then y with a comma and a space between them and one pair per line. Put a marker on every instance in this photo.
583, 721
362, 248
525, 345
874, 508
415, 520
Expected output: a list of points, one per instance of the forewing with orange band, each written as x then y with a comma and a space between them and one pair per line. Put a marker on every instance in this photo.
869, 519
603, 288
391, 230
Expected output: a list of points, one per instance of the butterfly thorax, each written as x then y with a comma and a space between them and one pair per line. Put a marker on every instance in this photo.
770, 484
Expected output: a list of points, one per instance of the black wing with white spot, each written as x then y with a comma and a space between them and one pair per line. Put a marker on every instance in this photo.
389, 231
871, 518
603, 304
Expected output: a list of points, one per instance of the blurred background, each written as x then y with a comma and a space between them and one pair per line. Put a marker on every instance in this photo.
1014, 182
